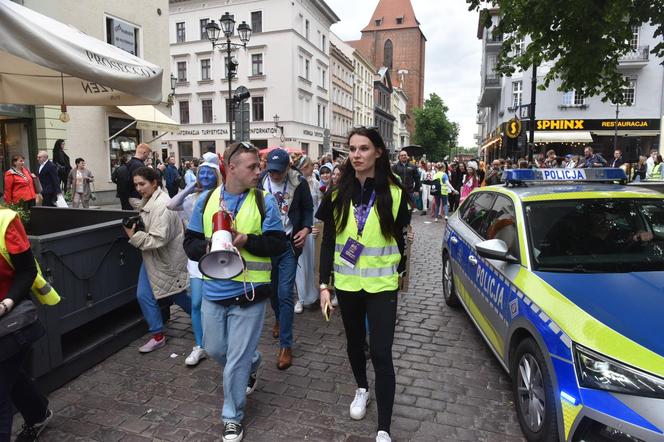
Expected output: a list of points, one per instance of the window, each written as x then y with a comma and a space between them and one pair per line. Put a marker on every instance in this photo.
122, 35
205, 69
123, 144
305, 148
477, 211
306, 29
230, 111
634, 40
573, 98
207, 146
256, 22
322, 43
324, 116
306, 69
206, 107
319, 115
517, 94
226, 67
184, 112
387, 54
204, 22
257, 64
629, 92
379, 22
182, 71
186, 149
323, 78
399, 20
501, 224
519, 47
180, 33
257, 108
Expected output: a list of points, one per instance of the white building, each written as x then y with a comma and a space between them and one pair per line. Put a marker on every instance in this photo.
401, 136
342, 85
285, 67
33, 128
364, 90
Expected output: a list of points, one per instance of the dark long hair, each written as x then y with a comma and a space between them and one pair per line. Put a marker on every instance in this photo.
383, 178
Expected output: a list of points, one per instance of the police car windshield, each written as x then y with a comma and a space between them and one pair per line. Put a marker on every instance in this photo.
607, 235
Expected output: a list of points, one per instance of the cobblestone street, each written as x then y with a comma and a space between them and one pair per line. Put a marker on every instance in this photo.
449, 386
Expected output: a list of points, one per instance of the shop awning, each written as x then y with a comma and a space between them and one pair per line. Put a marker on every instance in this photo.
563, 136
150, 118
43, 61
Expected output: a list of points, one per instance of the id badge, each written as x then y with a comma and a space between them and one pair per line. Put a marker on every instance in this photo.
351, 252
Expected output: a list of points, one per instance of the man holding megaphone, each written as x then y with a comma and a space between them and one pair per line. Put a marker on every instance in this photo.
234, 231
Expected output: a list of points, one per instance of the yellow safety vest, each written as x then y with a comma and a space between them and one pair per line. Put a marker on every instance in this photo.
376, 270
42, 290
656, 172
247, 221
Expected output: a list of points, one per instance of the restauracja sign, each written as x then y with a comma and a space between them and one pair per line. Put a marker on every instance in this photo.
646, 124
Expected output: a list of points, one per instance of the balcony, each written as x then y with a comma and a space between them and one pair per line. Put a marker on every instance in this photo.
490, 90
493, 41
637, 58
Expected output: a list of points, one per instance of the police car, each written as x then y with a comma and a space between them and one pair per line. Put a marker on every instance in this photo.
562, 272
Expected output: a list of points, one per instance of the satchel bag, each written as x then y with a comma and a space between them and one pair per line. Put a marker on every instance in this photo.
21, 316
19, 328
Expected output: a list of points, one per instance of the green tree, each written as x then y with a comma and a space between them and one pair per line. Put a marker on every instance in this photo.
582, 39
433, 130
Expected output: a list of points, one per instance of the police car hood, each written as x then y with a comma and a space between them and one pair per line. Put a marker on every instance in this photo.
632, 304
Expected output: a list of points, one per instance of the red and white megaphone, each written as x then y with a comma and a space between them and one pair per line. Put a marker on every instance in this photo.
224, 260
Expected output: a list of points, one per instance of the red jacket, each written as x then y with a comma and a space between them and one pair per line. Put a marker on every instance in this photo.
19, 186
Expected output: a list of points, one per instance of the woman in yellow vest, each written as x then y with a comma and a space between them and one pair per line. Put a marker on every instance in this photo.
17, 274
364, 245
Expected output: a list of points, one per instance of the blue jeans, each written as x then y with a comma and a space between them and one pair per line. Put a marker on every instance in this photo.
150, 305
441, 200
196, 288
230, 336
283, 279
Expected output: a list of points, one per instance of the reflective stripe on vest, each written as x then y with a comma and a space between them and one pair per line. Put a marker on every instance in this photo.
42, 290
248, 221
376, 270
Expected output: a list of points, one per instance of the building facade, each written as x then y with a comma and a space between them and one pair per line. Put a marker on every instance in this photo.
342, 83
89, 133
285, 67
568, 121
400, 134
383, 118
393, 38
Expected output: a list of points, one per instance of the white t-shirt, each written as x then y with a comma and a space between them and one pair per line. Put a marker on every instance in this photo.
284, 196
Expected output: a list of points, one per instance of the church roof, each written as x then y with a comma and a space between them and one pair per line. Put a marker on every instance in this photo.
392, 14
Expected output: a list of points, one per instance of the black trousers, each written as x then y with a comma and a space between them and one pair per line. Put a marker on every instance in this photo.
380, 309
453, 201
18, 388
49, 199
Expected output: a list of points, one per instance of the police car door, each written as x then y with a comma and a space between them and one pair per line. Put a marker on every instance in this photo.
492, 277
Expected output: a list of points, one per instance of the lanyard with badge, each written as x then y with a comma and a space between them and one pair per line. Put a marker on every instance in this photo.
352, 250
281, 197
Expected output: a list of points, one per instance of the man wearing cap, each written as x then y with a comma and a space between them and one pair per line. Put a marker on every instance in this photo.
291, 191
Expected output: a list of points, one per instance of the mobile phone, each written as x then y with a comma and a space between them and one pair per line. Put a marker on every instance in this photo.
326, 311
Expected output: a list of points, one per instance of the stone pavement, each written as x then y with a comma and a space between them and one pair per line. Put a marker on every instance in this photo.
449, 386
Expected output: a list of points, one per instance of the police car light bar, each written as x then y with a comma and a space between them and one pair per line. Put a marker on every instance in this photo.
514, 176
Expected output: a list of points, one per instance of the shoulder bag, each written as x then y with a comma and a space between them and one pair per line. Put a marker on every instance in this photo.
18, 328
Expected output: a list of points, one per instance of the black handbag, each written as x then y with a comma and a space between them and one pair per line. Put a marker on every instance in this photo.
18, 328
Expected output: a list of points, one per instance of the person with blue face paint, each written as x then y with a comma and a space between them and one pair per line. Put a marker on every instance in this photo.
208, 178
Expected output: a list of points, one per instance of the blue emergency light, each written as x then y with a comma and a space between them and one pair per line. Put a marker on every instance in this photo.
517, 176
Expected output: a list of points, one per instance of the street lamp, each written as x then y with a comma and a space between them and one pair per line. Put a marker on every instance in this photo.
171, 96
281, 128
213, 31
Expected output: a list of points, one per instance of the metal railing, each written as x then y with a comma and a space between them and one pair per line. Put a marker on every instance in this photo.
492, 79
639, 54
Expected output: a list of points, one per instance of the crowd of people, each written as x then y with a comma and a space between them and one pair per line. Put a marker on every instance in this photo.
312, 233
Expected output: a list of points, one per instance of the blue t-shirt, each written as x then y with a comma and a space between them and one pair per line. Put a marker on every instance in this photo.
217, 289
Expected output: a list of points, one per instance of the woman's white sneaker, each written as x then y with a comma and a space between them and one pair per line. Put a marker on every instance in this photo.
383, 436
358, 408
197, 354
298, 307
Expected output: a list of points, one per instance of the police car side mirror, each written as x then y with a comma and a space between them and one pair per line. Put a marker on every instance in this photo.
495, 249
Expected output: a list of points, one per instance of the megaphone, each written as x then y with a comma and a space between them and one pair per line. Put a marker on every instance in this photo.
224, 260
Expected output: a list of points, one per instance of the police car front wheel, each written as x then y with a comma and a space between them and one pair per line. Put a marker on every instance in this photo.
533, 393
449, 291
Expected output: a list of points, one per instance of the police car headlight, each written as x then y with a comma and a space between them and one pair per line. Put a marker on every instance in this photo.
603, 373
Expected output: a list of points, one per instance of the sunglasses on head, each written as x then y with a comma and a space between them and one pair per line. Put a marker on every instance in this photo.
243, 145
359, 126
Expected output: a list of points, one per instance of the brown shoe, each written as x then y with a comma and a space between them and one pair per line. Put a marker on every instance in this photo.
275, 330
285, 358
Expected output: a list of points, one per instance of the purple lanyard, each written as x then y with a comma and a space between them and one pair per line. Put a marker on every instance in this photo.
361, 216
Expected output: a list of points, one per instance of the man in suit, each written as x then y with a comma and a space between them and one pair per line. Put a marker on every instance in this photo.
617, 159
48, 177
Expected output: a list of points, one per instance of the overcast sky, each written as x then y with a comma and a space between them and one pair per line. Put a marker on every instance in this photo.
453, 52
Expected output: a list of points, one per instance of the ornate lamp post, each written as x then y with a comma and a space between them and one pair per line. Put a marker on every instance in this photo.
214, 31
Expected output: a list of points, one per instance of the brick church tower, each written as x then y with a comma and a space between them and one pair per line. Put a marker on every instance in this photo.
393, 38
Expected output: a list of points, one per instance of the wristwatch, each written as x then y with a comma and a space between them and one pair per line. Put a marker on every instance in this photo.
323, 287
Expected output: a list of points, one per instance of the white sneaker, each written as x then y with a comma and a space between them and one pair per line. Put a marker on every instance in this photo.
197, 354
334, 302
358, 408
383, 436
298, 307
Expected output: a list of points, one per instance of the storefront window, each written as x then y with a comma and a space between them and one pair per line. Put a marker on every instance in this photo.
186, 150
122, 143
208, 146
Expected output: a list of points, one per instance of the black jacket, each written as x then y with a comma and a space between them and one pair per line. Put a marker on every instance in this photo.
409, 175
49, 179
301, 209
122, 180
616, 162
132, 165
